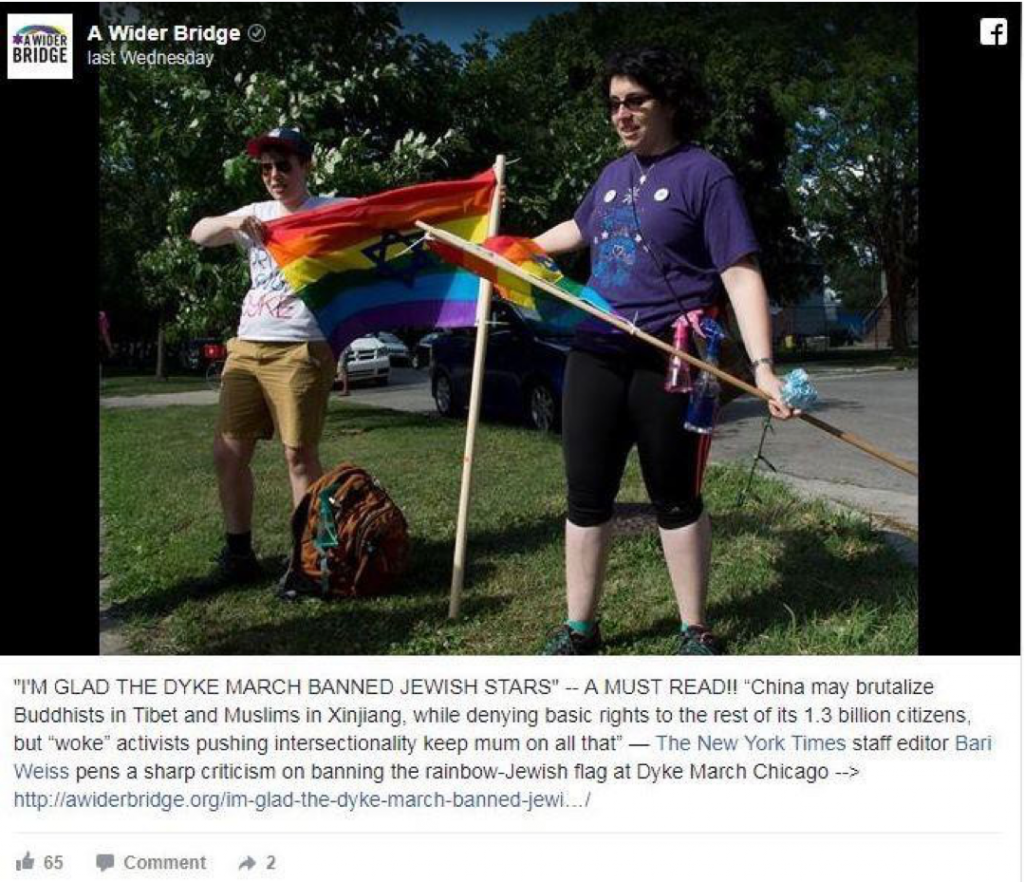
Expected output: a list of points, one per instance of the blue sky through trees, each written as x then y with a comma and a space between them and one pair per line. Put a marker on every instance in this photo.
457, 23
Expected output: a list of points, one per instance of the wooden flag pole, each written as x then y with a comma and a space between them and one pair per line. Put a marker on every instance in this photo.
483, 315
507, 266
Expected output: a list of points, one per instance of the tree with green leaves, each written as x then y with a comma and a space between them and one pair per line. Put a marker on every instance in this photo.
853, 170
564, 137
173, 138
813, 107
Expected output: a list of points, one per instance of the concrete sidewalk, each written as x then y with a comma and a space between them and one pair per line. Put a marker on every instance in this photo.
160, 399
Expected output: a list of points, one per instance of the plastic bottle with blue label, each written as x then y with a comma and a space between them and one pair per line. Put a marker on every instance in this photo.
703, 407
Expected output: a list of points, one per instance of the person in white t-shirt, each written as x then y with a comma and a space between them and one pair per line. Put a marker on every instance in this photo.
280, 369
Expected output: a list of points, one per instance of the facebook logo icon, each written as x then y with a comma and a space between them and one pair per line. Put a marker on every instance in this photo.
993, 32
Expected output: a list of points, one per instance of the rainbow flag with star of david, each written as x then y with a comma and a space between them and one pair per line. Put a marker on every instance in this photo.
361, 265
536, 303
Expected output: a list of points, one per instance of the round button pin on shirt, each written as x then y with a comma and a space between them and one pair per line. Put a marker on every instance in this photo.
609, 196
661, 195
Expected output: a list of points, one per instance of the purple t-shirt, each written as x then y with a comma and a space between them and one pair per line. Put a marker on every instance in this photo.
658, 247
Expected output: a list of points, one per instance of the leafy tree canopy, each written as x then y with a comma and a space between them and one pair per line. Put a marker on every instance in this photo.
813, 106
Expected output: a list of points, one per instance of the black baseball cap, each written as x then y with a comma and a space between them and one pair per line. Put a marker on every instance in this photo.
287, 140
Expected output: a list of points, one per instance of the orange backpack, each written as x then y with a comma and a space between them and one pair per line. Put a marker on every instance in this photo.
348, 538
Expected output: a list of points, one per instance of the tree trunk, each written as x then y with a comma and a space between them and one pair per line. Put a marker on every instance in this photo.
897, 291
161, 368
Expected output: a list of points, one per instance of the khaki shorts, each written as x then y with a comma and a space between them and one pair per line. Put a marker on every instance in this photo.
276, 386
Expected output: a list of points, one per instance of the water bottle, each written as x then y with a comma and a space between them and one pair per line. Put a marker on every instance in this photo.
677, 378
703, 406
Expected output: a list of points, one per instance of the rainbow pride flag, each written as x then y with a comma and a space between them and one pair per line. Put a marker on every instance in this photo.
531, 258
361, 266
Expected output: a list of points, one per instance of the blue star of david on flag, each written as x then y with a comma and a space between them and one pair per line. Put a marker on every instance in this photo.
408, 270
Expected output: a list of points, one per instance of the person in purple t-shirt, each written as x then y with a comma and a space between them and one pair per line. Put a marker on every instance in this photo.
668, 233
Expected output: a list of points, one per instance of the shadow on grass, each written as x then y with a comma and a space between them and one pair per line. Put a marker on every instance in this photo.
810, 580
164, 600
350, 626
370, 419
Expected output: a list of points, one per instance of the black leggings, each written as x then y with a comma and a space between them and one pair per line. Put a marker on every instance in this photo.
612, 402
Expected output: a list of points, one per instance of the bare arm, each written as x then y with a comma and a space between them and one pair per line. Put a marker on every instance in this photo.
745, 286
211, 232
562, 238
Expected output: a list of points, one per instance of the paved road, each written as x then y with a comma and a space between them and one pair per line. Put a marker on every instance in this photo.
408, 390
879, 406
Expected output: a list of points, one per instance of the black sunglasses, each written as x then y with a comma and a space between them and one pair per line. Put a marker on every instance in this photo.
632, 103
282, 165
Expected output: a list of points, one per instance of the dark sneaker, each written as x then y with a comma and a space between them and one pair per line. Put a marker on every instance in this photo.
698, 640
233, 569
566, 641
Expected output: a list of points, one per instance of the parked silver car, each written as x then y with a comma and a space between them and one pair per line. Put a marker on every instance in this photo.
366, 359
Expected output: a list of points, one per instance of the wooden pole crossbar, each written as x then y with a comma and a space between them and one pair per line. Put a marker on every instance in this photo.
622, 324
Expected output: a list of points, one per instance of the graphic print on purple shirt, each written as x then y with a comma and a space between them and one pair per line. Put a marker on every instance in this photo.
659, 247
616, 247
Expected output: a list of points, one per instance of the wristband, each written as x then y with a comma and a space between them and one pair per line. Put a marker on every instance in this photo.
759, 361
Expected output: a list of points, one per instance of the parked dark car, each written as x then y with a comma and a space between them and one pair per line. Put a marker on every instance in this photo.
524, 370
421, 356
197, 354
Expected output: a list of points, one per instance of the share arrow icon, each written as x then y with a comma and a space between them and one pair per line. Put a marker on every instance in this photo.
247, 864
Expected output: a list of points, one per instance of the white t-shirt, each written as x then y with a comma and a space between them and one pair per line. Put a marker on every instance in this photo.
271, 313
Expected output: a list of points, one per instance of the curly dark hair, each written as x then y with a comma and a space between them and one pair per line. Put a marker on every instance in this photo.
668, 78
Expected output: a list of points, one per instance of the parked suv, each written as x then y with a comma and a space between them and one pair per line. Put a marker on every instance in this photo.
524, 370
366, 359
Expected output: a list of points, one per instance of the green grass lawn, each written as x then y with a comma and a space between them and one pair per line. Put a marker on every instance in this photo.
116, 386
787, 576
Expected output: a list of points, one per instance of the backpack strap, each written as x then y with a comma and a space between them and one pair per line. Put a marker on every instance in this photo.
299, 518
